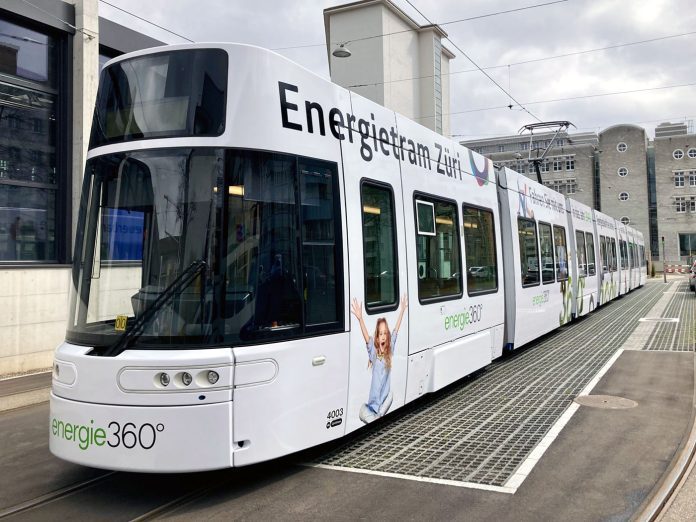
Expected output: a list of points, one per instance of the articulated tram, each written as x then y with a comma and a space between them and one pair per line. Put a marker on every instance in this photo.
265, 261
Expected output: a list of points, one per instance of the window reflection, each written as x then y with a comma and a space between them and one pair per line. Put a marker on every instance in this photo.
479, 248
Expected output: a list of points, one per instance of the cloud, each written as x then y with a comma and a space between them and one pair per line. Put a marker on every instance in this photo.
561, 28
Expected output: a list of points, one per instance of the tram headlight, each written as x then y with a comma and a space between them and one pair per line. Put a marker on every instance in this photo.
164, 379
213, 377
186, 378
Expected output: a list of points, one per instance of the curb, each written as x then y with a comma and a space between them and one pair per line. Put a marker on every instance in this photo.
20, 400
666, 490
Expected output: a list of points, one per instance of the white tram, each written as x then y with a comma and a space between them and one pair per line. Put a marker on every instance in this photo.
265, 262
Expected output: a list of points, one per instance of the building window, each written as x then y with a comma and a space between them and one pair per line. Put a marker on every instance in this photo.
680, 204
622, 147
29, 189
571, 186
623, 196
678, 154
687, 245
501, 148
679, 179
544, 166
691, 153
570, 164
692, 204
556, 165
524, 145
625, 220
623, 172
692, 178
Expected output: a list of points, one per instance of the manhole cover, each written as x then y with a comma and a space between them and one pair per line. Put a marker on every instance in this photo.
658, 320
609, 402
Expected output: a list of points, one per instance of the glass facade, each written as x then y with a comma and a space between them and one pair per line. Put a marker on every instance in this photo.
29, 180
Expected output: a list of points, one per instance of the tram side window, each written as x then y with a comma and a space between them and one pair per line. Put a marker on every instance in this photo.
529, 251
591, 260
379, 247
282, 268
559, 239
624, 255
581, 253
479, 249
612, 256
603, 253
317, 200
548, 271
437, 248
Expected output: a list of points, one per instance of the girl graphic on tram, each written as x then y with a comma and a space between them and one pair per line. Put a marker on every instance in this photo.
380, 350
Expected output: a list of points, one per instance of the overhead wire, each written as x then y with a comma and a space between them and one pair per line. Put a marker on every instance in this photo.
88, 34
382, 35
144, 20
531, 60
479, 68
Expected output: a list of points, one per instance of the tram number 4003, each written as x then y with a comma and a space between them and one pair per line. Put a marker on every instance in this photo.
334, 418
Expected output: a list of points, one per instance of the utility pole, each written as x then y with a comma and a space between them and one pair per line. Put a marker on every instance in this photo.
664, 261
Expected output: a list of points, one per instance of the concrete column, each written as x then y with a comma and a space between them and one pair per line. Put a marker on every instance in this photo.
85, 79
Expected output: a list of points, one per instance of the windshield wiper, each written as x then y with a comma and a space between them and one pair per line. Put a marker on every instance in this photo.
136, 328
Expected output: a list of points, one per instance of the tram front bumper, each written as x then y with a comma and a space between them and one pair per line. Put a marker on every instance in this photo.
154, 439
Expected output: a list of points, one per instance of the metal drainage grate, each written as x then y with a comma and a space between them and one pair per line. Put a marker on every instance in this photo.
482, 429
676, 336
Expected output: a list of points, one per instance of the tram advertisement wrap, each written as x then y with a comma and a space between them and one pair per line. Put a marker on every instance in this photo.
380, 344
136, 438
373, 139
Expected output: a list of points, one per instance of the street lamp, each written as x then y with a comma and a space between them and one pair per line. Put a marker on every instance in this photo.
342, 51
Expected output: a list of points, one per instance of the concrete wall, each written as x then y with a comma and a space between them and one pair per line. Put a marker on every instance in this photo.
392, 60
33, 315
366, 65
670, 222
401, 65
635, 183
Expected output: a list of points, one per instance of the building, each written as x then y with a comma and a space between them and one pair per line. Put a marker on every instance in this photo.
50, 55
568, 167
394, 61
675, 183
649, 185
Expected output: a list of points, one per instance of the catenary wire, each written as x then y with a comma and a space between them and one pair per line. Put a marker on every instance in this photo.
488, 15
512, 98
144, 20
532, 60
89, 34
585, 96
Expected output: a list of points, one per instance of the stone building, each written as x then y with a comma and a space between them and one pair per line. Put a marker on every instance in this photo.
623, 175
50, 55
675, 183
394, 61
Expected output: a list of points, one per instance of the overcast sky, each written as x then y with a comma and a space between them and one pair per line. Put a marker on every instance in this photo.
542, 32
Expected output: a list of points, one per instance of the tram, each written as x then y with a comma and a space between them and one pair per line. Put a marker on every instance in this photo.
265, 261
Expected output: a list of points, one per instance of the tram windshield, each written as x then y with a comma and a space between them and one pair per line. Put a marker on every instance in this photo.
253, 236
162, 95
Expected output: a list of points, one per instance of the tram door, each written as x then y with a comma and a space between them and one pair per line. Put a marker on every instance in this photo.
377, 272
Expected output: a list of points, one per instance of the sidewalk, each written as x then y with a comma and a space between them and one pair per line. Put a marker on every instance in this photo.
25, 390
